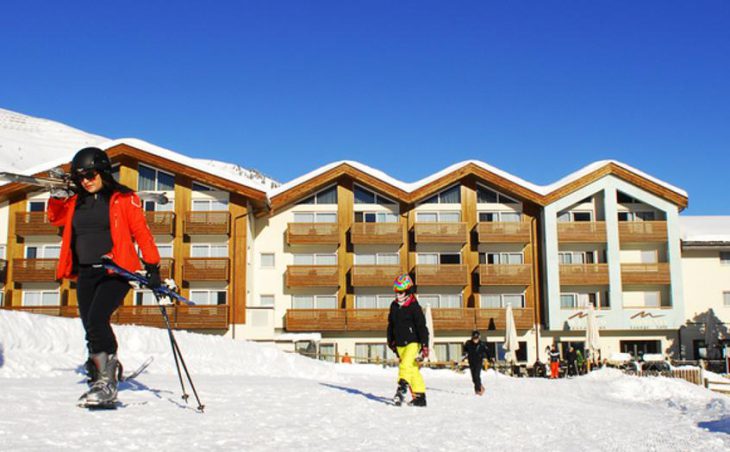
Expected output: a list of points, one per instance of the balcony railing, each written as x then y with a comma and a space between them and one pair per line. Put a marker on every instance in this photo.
440, 233
316, 320
367, 319
312, 234
33, 223
495, 318
374, 275
311, 276
642, 231
583, 274
34, 270
508, 232
376, 234
206, 269
161, 223
441, 275
657, 273
582, 232
451, 319
166, 267
207, 223
58, 311
505, 275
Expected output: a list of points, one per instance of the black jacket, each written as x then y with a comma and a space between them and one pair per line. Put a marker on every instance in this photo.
475, 352
406, 324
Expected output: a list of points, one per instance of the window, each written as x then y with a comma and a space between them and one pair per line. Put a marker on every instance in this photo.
488, 196
314, 302
209, 250
201, 187
451, 195
42, 252
440, 300
328, 352
638, 348
208, 297
315, 259
266, 301
377, 259
37, 206
365, 196
570, 216
41, 298
373, 301
151, 179
568, 300
496, 350
438, 258
502, 300
623, 198
326, 196
448, 352
726, 299
3, 251
315, 217
577, 257
372, 353
500, 217
165, 251
438, 217
268, 260
501, 258
725, 258
375, 217
209, 205
636, 216
144, 298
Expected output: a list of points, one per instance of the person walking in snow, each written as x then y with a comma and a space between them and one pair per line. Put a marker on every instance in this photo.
571, 358
554, 362
408, 337
476, 352
104, 217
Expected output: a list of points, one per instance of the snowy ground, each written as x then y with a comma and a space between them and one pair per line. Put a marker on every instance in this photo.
258, 398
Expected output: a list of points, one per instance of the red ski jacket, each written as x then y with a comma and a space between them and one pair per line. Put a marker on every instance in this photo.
127, 223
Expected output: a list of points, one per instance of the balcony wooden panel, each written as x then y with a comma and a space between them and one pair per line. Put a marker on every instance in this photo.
161, 223
441, 275
34, 270
440, 233
311, 276
495, 318
3, 270
367, 319
507, 232
505, 275
374, 275
316, 320
166, 266
451, 319
657, 273
181, 317
206, 269
583, 274
582, 232
57, 311
312, 234
34, 223
642, 231
207, 223
376, 234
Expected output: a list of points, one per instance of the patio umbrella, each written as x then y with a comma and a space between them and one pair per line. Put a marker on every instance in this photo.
510, 336
429, 325
592, 338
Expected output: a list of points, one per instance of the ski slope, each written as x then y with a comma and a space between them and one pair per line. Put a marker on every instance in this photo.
259, 398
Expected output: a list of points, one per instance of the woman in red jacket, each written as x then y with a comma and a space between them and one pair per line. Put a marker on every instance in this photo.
103, 218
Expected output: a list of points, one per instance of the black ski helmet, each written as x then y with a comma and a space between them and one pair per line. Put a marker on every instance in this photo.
91, 158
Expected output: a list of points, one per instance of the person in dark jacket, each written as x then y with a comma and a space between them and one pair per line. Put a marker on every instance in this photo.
570, 358
475, 350
102, 218
408, 337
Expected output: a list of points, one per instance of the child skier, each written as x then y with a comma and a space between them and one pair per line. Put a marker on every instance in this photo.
407, 336
476, 351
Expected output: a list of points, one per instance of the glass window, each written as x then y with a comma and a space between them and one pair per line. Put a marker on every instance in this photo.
267, 260
326, 302
201, 205
449, 217
146, 178
266, 300
388, 259
51, 252
427, 217
200, 187
564, 217
652, 299
165, 251
384, 217
725, 257
516, 300
303, 259
648, 257
219, 250
303, 302
451, 195
326, 218
582, 216
165, 181
218, 204
450, 301
326, 259
365, 302
328, 196
221, 297
144, 298
37, 206
567, 301
427, 258
487, 216
31, 252
3, 252
510, 217
199, 251
363, 196
365, 259
491, 301
624, 216
486, 196
424, 300
726, 299
303, 217
645, 216
384, 301
432, 200
448, 258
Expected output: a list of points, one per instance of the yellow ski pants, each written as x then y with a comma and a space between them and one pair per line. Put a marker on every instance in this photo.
408, 368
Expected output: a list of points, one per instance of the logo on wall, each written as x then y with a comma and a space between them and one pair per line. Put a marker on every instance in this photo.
644, 320
579, 320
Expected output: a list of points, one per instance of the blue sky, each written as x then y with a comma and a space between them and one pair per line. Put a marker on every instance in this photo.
536, 88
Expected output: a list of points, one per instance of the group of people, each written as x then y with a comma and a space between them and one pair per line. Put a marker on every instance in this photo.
575, 363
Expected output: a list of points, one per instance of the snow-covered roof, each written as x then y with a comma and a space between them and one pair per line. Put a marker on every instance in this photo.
705, 229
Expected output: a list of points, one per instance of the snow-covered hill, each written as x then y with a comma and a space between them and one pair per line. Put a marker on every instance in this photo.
259, 398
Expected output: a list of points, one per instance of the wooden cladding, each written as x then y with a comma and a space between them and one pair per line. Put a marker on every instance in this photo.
582, 232
642, 231
311, 276
583, 274
376, 234
441, 275
505, 275
33, 223
657, 273
440, 233
34, 270
507, 232
374, 275
166, 267
57, 311
312, 233
207, 223
206, 268
161, 223
444, 319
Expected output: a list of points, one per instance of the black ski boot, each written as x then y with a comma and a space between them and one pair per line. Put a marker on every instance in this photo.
419, 399
92, 373
104, 390
400, 393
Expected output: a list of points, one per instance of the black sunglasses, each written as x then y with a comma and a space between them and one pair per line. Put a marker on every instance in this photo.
86, 175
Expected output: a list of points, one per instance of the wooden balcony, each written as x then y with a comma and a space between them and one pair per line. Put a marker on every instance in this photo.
206, 269
207, 223
495, 318
166, 267
367, 319
312, 234
3, 270
214, 317
34, 270
505, 275
508, 232
582, 232
441, 275
316, 320
451, 319
33, 223
645, 273
57, 311
440, 233
376, 234
311, 276
583, 274
374, 275
642, 231
161, 223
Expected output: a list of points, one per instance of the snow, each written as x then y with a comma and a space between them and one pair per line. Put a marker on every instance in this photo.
707, 229
260, 398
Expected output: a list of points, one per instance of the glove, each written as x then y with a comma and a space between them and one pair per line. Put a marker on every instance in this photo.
153, 276
61, 193
424, 351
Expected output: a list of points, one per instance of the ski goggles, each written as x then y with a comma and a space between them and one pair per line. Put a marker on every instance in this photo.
85, 175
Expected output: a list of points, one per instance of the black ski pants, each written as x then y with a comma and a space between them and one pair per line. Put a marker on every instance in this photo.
476, 375
99, 295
